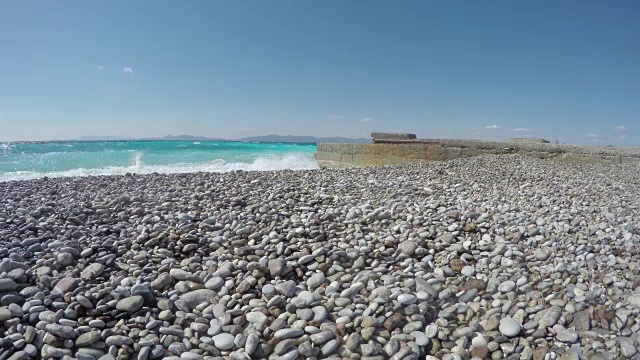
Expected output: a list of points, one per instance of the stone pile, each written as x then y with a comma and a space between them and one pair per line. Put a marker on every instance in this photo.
484, 258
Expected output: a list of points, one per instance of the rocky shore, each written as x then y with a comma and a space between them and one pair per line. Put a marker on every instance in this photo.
490, 257
408, 151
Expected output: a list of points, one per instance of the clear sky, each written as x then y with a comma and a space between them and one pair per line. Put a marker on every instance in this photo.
567, 70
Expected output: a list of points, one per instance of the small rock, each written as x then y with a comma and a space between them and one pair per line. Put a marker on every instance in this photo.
288, 333
92, 271
7, 285
392, 322
87, 338
197, 297
480, 352
315, 280
468, 271
407, 299
567, 336
408, 247
626, 347
65, 285
507, 286
130, 304
256, 317
457, 265
509, 327
214, 283
223, 341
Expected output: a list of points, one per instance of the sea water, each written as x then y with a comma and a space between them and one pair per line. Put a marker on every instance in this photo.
30, 160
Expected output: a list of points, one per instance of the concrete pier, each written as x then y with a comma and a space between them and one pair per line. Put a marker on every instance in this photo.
391, 151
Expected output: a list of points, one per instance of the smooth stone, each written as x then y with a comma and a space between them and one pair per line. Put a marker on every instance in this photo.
256, 317
479, 341
223, 341
581, 321
306, 297
62, 331
542, 254
118, 340
5, 314
87, 338
634, 300
549, 317
353, 341
408, 247
468, 271
627, 348
286, 288
275, 266
407, 299
251, 344
567, 336
509, 327
420, 338
65, 285
320, 313
31, 350
315, 280
283, 346
507, 286
468, 296
214, 283
329, 347
130, 304
196, 297
190, 356
19, 355
92, 271
305, 314
322, 337
306, 349
157, 351
288, 333
86, 303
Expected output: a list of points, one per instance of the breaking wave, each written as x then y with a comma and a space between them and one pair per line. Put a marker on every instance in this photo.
289, 161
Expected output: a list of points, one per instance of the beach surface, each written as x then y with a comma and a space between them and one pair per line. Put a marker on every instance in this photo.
488, 257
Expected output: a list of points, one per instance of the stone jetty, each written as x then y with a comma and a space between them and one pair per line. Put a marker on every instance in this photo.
393, 149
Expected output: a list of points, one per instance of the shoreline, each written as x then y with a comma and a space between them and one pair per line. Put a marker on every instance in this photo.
84, 160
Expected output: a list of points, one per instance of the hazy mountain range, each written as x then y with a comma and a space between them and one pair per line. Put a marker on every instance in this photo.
304, 139
265, 138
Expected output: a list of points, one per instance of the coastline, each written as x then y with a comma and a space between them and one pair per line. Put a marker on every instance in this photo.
34, 160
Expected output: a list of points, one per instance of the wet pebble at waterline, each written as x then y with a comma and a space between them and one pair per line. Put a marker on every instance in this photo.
486, 258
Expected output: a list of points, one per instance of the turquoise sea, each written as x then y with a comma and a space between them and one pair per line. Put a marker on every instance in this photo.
30, 160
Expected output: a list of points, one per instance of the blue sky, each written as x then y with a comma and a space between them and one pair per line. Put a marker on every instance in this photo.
566, 70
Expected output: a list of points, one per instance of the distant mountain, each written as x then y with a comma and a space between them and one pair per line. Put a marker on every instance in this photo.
153, 138
183, 138
303, 139
102, 138
266, 138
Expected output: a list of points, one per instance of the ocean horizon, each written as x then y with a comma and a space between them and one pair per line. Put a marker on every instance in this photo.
38, 159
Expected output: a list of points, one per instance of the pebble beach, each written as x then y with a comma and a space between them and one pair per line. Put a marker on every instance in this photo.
491, 257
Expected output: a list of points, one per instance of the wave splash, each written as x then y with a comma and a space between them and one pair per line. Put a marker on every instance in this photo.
290, 161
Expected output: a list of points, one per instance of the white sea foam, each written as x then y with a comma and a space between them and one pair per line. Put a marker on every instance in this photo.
289, 161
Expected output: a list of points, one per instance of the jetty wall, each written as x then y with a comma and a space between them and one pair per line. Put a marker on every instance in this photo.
390, 152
